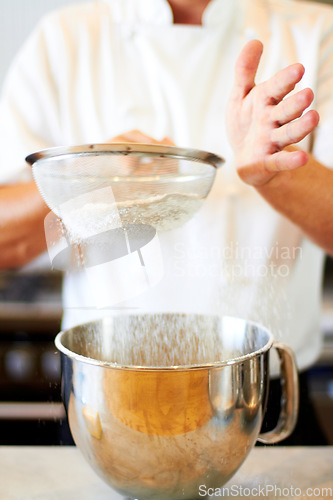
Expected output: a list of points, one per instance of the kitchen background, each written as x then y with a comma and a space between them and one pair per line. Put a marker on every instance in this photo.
31, 411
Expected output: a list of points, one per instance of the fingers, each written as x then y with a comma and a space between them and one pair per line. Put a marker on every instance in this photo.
282, 83
286, 160
246, 68
295, 131
274, 89
264, 119
136, 165
292, 107
167, 141
136, 136
288, 129
259, 173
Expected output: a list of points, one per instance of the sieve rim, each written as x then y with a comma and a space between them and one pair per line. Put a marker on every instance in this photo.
128, 149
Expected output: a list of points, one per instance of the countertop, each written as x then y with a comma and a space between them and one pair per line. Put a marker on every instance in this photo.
60, 473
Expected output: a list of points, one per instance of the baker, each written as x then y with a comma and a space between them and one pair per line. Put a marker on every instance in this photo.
192, 73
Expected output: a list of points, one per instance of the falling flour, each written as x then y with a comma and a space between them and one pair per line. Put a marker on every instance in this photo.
162, 340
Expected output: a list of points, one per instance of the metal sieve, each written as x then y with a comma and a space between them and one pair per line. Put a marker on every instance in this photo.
157, 185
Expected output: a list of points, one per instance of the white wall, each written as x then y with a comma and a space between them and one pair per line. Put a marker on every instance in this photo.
18, 18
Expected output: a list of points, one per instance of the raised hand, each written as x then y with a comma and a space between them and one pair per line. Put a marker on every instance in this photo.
263, 120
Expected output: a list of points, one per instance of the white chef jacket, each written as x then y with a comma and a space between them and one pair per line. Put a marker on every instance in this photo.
92, 71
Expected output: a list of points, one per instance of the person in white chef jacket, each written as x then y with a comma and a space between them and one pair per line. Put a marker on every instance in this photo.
163, 71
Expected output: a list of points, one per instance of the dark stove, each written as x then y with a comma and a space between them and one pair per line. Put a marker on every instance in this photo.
31, 411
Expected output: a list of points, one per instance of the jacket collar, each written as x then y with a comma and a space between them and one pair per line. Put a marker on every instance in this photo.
158, 12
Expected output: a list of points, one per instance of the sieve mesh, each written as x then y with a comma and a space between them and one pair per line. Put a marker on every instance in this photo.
162, 186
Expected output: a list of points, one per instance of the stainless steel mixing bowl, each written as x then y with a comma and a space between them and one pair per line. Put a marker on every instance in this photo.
162, 404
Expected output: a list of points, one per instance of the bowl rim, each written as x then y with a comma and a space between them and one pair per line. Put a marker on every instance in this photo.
173, 368
125, 149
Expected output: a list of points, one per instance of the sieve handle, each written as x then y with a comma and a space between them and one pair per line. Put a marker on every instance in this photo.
289, 398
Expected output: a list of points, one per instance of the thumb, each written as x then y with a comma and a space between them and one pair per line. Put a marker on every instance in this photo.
246, 67
167, 141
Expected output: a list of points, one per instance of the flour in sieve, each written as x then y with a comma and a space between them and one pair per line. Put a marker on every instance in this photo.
163, 212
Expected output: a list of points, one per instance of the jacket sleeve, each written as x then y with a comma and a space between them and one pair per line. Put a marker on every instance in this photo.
29, 114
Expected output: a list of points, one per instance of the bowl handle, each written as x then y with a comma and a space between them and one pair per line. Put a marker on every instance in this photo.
289, 398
